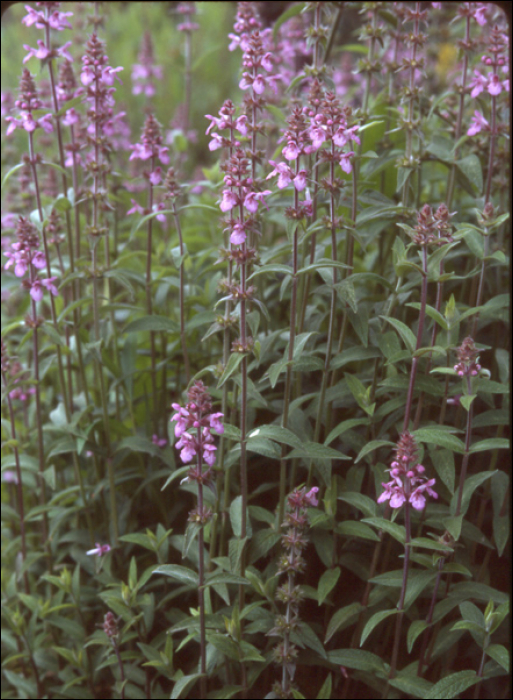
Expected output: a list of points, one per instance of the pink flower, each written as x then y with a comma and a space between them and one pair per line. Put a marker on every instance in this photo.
57, 20
477, 123
160, 442
109, 74
284, 172
252, 198
479, 14
240, 124
494, 86
238, 234
417, 499
478, 83
49, 284
71, 117
217, 142
310, 497
300, 180
209, 454
228, 201
345, 161
135, 209
182, 418
187, 447
100, 549
215, 423
291, 151
155, 177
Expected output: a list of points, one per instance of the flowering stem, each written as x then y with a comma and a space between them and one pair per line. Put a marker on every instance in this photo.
19, 482
411, 89
466, 454
422, 314
292, 340
400, 605
201, 576
149, 308
185, 353
331, 323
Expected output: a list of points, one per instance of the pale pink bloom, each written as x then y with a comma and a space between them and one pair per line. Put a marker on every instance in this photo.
209, 454
160, 442
252, 198
182, 419
479, 14
71, 117
345, 161
477, 123
57, 20
267, 62
135, 209
494, 86
318, 136
155, 177
300, 180
478, 83
291, 151
311, 498
186, 445
109, 74
228, 201
240, 124
284, 172
217, 142
417, 499
215, 423
100, 549
238, 235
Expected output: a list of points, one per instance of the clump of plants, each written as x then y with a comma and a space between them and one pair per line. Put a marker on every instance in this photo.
255, 363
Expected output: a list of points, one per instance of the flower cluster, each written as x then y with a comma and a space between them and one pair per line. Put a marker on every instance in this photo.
48, 18
26, 257
433, 229
197, 414
294, 542
330, 125
145, 71
151, 147
407, 482
188, 10
226, 121
99, 550
467, 359
241, 194
496, 61
98, 78
27, 103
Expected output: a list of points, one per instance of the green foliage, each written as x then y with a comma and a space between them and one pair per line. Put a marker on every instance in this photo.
129, 570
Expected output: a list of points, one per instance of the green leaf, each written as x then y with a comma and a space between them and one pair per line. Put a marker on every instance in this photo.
489, 443
406, 333
427, 543
443, 461
470, 168
411, 685
342, 618
416, 628
275, 370
138, 443
236, 518
352, 528
217, 577
417, 582
371, 446
452, 686
272, 267
343, 427
471, 484
398, 532
499, 654
325, 691
326, 583
364, 503
10, 173
441, 438
356, 658
183, 685
278, 434
374, 622
231, 366
314, 450
180, 573
152, 323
